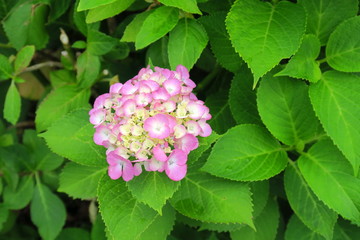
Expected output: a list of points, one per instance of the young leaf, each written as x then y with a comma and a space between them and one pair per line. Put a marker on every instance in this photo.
285, 109
6, 70
296, 230
156, 25
12, 104
343, 51
19, 198
303, 64
323, 166
336, 103
47, 212
99, 43
263, 34
153, 189
220, 41
186, 43
88, 4
80, 181
88, 66
324, 15
186, 5
313, 213
73, 234
72, 137
132, 30
23, 58
107, 11
60, 102
246, 153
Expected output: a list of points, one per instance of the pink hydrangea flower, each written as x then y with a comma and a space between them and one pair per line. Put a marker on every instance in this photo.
151, 123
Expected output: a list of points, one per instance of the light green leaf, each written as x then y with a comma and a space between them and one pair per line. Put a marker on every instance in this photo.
263, 34
204, 144
6, 70
99, 43
80, 181
186, 43
132, 30
266, 225
107, 11
323, 166
186, 5
60, 102
246, 153
343, 48
220, 41
313, 213
23, 58
47, 212
242, 98
303, 64
62, 77
21, 197
73, 234
324, 15
79, 44
153, 189
156, 25
72, 137
296, 230
335, 99
88, 4
285, 109
88, 66
12, 106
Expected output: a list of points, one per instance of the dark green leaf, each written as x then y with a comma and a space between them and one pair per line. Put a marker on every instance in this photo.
157, 53
21, 197
73, 234
99, 43
296, 230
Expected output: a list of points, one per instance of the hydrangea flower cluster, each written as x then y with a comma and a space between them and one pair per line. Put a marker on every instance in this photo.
150, 122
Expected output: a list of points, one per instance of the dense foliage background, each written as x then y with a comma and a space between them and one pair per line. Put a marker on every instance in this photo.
281, 79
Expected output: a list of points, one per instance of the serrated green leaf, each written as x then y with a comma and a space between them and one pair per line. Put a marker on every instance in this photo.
263, 34
6, 70
242, 98
153, 189
246, 153
324, 15
47, 212
342, 50
12, 105
62, 77
23, 58
204, 144
313, 213
221, 227
132, 30
80, 181
220, 41
99, 43
303, 64
72, 233
335, 99
72, 137
157, 53
88, 66
60, 102
88, 4
107, 11
98, 229
323, 166
186, 5
266, 225
21, 197
285, 109
186, 43
296, 230
346, 231
156, 25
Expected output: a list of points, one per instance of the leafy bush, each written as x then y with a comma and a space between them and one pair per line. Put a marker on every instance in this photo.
281, 79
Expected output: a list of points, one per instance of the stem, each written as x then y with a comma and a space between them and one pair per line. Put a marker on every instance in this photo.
37, 178
207, 80
41, 65
24, 124
5, 45
320, 61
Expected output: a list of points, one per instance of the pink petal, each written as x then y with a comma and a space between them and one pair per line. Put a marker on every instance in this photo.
172, 122
155, 165
196, 110
100, 100
115, 88
193, 127
159, 153
128, 170
189, 83
161, 94
137, 169
115, 171
184, 73
97, 117
129, 107
205, 128
102, 134
128, 88
143, 99
169, 106
179, 131
157, 126
144, 88
176, 172
178, 157
187, 143
172, 86
151, 84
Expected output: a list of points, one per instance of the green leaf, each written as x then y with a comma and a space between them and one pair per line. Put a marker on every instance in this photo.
98, 229
88, 4
99, 43
156, 25
132, 30
260, 195
302, 64
186, 5
186, 43
73, 234
60, 102
296, 230
210, 199
157, 53
335, 99
242, 98
266, 225
58, 8
107, 11
123, 215
72, 138
6, 70
285, 109
21, 197
324, 15
79, 44
313, 213
220, 41
343, 51
80, 181
12, 106
88, 66
246, 153
153, 189
345, 230
62, 77
23, 58
323, 166
263, 34
47, 212
204, 144
4, 214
